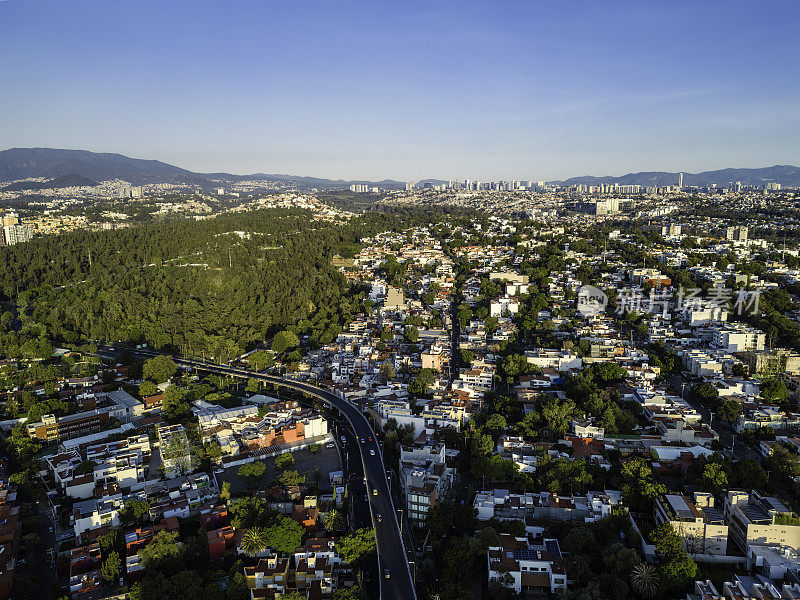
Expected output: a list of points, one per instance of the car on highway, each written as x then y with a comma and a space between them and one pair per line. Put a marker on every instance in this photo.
344, 439
374, 491
369, 439
362, 441
378, 517
372, 452
331, 445
386, 574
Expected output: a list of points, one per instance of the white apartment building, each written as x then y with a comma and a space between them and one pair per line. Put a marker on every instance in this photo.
738, 338
91, 514
122, 462
757, 520
504, 306
560, 360
480, 378
695, 316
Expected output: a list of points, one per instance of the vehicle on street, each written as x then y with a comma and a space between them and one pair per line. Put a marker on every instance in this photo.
372, 452
386, 574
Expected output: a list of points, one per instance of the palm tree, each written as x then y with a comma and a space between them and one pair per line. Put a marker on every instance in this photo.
253, 541
644, 579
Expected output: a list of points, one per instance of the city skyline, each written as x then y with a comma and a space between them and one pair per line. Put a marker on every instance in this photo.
447, 91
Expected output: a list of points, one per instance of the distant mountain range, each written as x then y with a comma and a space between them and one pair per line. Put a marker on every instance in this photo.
63, 181
54, 164
786, 175
305, 181
23, 163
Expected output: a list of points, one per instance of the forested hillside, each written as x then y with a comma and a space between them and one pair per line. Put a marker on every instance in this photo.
216, 286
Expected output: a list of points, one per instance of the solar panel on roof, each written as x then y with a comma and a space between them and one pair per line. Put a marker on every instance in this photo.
553, 548
526, 554
713, 514
755, 513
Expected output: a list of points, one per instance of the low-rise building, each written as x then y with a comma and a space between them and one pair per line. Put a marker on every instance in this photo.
504, 505
56, 429
698, 523
527, 569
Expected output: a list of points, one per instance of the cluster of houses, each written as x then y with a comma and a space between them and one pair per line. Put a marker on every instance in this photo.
708, 341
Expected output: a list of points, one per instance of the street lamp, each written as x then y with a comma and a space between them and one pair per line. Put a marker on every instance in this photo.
400, 510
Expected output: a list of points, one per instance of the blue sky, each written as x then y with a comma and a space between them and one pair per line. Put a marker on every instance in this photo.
407, 90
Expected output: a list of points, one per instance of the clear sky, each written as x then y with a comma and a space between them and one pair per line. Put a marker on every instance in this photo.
407, 90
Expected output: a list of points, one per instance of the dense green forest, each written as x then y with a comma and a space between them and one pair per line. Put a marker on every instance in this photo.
213, 287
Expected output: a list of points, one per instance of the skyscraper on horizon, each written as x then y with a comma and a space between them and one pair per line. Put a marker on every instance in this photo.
680, 180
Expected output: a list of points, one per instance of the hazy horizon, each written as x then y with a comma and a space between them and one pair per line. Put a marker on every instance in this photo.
508, 90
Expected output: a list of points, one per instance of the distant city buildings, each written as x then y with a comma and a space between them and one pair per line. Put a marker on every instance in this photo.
363, 188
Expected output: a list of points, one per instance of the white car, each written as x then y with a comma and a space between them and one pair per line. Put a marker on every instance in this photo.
372, 452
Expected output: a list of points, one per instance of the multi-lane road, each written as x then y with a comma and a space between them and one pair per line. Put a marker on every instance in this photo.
395, 575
